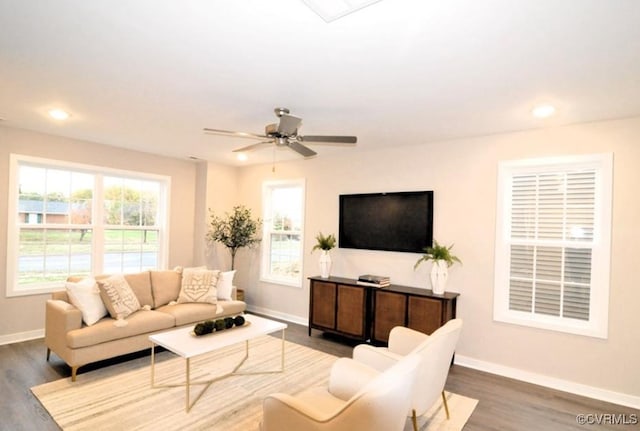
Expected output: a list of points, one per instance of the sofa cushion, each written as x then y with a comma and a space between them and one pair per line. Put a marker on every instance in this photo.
232, 308
198, 285
85, 296
140, 283
118, 296
165, 286
188, 313
140, 322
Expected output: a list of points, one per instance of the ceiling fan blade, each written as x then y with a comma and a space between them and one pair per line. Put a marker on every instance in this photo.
329, 139
301, 149
235, 134
288, 125
252, 147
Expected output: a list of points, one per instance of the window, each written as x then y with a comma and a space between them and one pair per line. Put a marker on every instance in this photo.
283, 204
69, 219
553, 243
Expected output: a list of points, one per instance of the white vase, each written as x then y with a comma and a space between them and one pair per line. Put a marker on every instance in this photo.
439, 275
325, 264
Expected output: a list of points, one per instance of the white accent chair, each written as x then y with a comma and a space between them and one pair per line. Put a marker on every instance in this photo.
435, 350
358, 398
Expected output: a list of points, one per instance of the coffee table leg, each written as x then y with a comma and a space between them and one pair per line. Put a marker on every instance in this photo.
282, 354
153, 363
188, 384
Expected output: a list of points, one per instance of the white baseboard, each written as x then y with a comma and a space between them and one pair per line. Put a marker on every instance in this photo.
550, 382
279, 315
21, 336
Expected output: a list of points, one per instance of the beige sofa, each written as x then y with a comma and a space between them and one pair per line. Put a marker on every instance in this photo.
78, 344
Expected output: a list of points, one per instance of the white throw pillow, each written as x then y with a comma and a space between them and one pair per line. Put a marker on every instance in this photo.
85, 296
199, 285
225, 285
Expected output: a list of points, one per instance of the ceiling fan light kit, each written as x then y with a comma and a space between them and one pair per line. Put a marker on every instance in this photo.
284, 133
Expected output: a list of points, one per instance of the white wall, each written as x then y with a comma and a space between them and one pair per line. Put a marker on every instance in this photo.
217, 193
463, 176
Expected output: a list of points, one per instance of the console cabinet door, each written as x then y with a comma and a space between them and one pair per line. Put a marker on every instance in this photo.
351, 318
323, 304
424, 314
390, 310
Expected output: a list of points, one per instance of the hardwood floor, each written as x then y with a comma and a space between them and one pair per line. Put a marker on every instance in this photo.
504, 404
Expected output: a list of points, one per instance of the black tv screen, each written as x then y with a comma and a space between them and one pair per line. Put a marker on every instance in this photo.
398, 221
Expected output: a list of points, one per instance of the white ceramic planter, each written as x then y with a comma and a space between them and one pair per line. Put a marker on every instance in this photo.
439, 275
325, 264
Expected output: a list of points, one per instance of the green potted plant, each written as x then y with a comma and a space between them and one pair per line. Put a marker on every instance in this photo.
325, 244
235, 230
442, 259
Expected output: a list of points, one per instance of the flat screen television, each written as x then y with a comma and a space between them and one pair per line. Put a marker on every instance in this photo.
397, 221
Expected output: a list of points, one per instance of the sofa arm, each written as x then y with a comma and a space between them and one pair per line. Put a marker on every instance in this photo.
60, 318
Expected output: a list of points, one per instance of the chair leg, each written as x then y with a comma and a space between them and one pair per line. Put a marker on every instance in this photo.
446, 406
48, 354
414, 420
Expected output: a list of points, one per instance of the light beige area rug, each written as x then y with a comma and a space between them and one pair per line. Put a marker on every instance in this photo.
120, 397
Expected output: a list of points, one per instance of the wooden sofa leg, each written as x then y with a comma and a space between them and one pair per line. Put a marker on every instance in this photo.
414, 420
48, 354
446, 406
74, 372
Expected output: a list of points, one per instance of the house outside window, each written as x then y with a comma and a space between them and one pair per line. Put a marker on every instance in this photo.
283, 216
553, 234
71, 219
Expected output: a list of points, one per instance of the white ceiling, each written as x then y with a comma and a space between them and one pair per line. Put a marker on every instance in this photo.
150, 74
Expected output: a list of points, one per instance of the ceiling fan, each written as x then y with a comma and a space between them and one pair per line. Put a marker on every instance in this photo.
285, 134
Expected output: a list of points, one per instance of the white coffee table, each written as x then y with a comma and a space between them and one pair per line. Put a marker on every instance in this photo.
183, 343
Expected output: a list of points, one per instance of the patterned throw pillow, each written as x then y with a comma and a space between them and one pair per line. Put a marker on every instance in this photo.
199, 285
118, 296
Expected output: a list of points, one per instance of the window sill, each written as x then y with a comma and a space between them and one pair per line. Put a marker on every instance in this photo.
281, 282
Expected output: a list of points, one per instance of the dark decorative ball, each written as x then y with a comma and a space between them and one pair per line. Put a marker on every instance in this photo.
208, 324
238, 320
228, 322
200, 329
220, 325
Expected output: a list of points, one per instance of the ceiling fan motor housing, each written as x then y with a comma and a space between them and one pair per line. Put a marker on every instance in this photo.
272, 131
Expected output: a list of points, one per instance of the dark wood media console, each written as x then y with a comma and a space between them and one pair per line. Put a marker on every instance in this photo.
342, 306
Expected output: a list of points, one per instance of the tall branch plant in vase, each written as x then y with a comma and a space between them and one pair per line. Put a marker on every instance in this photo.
324, 244
442, 259
235, 231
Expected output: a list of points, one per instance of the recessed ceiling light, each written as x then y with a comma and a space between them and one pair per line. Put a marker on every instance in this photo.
543, 111
242, 157
59, 114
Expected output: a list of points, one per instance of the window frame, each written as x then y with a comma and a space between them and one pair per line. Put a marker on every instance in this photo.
597, 324
265, 274
97, 225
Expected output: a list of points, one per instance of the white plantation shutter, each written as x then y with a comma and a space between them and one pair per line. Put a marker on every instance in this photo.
548, 237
